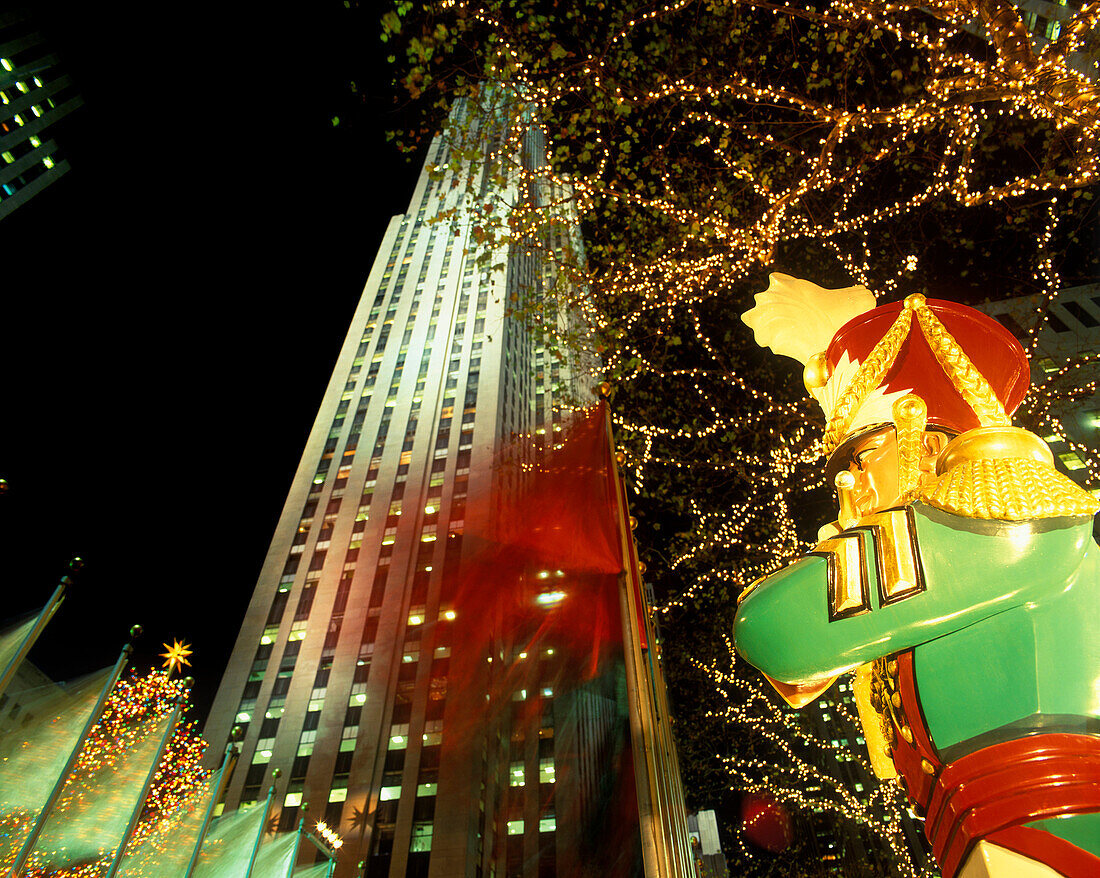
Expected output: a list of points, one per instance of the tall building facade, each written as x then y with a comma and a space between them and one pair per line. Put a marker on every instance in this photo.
1064, 361
345, 675
34, 95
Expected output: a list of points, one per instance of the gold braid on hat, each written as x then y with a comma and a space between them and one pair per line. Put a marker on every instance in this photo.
965, 378
868, 376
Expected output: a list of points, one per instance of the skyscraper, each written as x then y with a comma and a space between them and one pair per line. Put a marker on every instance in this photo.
355, 671
34, 95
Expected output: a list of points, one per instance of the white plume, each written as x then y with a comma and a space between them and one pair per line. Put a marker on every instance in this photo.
797, 318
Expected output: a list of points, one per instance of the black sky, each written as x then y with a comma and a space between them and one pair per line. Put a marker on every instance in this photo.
172, 307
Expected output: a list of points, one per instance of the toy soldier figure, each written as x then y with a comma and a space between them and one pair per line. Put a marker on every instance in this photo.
960, 581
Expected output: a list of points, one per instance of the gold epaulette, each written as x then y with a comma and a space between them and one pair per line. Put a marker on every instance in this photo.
1010, 489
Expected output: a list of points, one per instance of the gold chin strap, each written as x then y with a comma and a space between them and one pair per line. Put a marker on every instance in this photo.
911, 418
965, 378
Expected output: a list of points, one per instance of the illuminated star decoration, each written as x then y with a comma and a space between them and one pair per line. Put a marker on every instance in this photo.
176, 656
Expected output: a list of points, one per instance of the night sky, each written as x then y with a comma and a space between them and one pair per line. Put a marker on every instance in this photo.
172, 308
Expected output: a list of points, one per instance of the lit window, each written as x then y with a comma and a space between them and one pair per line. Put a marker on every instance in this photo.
546, 770
297, 631
426, 789
6, 63
515, 827
421, 838
550, 598
548, 824
48, 161
269, 635
388, 794
357, 698
292, 800
516, 776
340, 794
1071, 460
34, 141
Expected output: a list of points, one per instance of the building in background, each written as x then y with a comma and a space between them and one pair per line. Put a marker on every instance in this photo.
440, 720
1067, 338
34, 96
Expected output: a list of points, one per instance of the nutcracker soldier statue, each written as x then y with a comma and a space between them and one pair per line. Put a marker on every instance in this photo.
960, 581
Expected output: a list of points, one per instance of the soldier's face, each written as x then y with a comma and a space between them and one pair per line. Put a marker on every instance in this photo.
876, 470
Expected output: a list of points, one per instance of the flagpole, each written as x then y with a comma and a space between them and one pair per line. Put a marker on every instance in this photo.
40, 623
662, 813
297, 844
55, 794
275, 775
135, 816
229, 761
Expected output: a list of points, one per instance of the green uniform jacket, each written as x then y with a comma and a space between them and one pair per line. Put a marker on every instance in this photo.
1005, 633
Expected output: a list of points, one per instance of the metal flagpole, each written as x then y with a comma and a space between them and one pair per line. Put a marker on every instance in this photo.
275, 775
55, 794
224, 773
297, 844
135, 816
325, 849
662, 818
40, 623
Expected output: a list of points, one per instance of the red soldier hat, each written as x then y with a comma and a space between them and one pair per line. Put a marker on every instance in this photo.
861, 360
968, 369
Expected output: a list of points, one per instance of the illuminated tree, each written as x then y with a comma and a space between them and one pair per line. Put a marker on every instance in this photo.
97, 801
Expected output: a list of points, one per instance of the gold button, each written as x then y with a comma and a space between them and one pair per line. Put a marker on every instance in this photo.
927, 767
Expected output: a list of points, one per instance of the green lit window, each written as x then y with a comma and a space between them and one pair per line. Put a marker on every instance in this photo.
548, 824
8, 157
421, 838
389, 794
270, 633
339, 794
426, 789
48, 161
515, 827
6, 64
516, 775
297, 631
1071, 460
546, 770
